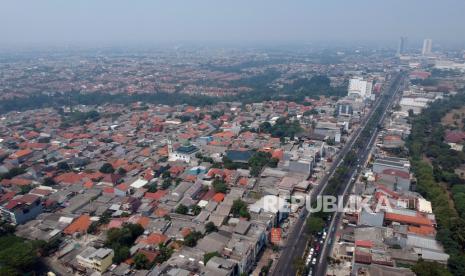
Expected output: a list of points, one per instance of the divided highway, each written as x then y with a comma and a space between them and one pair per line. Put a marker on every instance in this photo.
297, 239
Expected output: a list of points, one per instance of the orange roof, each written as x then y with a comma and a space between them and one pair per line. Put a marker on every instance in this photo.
163, 151
81, 225
157, 195
116, 223
88, 184
364, 243
143, 221
278, 154
20, 181
20, 153
223, 173
154, 239
218, 197
122, 187
190, 178
69, 178
224, 134
415, 220
150, 255
243, 181
185, 231
145, 152
176, 169
422, 230
161, 212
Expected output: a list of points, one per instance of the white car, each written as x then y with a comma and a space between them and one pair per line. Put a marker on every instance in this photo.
314, 261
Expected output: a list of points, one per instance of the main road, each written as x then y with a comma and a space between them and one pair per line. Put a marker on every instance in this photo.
297, 239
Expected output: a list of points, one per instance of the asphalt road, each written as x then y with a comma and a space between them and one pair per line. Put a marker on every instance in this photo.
297, 239
362, 155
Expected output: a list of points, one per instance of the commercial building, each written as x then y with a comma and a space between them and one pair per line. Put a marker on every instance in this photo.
360, 88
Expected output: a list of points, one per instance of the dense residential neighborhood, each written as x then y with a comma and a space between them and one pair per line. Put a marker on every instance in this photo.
145, 188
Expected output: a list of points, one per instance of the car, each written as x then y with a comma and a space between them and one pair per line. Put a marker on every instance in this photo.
321, 241
312, 250
314, 261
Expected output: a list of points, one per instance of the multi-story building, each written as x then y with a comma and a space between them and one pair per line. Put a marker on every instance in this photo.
96, 259
21, 209
360, 88
427, 47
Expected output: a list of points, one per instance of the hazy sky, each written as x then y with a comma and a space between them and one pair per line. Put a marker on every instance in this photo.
152, 21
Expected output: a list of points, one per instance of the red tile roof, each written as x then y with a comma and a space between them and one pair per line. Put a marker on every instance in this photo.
396, 173
414, 220
80, 225
153, 239
364, 243
218, 197
157, 195
20, 153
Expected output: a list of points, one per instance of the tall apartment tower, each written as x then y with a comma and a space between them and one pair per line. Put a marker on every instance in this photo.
427, 47
402, 45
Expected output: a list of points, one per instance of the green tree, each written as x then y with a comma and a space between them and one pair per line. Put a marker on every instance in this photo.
107, 168
208, 256
191, 239
93, 227
195, 209
152, 188
314, 224
166, 183
121, 254
210, 227
17, 255
182, 209
423, 268
63, 166
239, 209
219, 185
164, 253
121, 171
141, 261
48, 181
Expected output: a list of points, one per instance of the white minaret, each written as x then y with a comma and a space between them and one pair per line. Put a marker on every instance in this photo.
170, 147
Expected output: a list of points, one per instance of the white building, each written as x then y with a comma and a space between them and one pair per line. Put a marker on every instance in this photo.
360, 88
415, 104
427, 47
183, 153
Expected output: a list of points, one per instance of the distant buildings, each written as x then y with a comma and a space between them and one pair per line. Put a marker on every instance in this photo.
402, 45
427, 47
